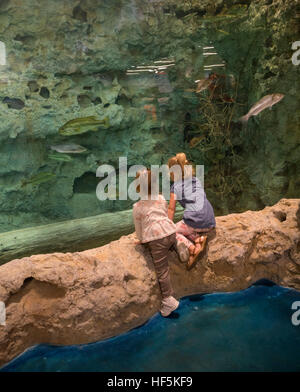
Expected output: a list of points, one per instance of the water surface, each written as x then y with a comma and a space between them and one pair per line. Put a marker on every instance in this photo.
250, 330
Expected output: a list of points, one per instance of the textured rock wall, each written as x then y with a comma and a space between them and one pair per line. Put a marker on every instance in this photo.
68, 59
70, 298
270, 145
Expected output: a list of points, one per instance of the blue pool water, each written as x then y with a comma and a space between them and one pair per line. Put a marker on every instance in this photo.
250, 330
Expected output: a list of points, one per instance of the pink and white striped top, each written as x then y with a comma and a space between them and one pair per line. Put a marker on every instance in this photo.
151, 219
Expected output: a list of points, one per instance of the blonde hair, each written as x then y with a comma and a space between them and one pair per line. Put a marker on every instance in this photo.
145, 173
186, 167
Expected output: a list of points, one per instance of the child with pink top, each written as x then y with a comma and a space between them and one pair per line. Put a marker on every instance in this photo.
154, 229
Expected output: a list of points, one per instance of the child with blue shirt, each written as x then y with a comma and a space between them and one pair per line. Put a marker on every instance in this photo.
198, 214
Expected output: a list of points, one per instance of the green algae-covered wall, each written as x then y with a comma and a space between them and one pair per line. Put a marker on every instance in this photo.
127, 68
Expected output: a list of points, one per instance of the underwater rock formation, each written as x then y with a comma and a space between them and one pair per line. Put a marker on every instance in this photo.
68, 60
70, 298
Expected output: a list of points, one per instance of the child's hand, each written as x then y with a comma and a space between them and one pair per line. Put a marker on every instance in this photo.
137, 242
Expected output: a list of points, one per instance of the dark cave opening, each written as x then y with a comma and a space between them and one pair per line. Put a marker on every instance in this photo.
87, 183
280, 215
33, 86
97, 101
44, 92
14, 103
79, 14
84, 100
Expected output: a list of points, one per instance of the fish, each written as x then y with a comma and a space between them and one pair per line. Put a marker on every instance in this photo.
223, 32
236, 12
203, 84
196, 140
163, 100
150, 99
60, 157
188, 72
37, 179
232, 81
82, 125
71, 148
151, 112
266, 102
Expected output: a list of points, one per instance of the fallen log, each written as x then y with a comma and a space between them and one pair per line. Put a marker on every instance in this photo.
67, 236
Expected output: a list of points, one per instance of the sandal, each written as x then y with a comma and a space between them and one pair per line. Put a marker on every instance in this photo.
194, 258
183, 252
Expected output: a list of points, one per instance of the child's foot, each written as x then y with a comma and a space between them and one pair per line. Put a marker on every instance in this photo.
168, 305
199, 247
183, 252
198, 243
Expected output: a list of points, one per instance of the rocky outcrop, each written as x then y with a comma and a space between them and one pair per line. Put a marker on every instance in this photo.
69, 298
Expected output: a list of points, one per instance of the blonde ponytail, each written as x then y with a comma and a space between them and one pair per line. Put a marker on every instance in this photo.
180, 159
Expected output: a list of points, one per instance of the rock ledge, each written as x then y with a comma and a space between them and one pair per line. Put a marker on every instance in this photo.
81, 297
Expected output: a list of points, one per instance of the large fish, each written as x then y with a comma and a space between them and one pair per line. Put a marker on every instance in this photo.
266, 102
203, 84
70, 148
60, 157
82, 125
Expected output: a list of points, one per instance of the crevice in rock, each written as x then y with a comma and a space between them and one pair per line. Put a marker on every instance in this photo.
25, 39
33, 86
36, 289
44, 92
268, 75
129, 277
268, 42
4, 3
123, 100
83, 100
97, 101
79, 14
187, 127
86, 183
298, 216
14, 103
280, 215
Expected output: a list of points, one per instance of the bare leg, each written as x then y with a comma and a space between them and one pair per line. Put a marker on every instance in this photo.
193, 258
198, 244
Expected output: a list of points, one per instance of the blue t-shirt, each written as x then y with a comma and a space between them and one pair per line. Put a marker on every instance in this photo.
198, 212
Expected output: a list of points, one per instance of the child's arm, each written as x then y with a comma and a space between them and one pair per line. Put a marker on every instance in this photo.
172, 206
